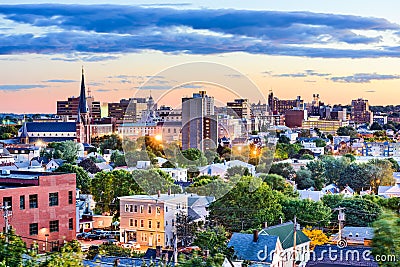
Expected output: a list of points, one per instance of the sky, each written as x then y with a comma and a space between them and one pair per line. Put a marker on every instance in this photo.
341, 50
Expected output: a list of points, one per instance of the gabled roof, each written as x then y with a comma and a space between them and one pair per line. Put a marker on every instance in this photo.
349, 189
50, 127
383, 189
285, 232
246, 249
193, 215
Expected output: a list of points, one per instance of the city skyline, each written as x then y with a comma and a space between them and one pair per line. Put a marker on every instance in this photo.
340, 52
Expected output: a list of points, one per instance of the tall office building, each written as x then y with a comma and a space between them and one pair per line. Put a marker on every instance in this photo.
199, 123
239, 108
360, 112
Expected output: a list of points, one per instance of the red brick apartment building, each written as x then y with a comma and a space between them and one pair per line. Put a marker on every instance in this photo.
41, 205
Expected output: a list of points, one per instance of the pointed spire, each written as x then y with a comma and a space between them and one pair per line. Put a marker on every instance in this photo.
24, 132
83, 107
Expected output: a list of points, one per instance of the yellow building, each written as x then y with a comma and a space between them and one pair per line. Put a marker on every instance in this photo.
326, 126
150, 220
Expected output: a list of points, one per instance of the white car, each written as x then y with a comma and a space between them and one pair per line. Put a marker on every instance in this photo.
131, 245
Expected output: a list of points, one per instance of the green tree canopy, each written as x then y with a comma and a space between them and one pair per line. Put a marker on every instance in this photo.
307, 211
82, 178
248, 205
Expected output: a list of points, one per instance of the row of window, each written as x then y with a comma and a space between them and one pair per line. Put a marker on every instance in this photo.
53, 226
135, 223
144, 238
33, 200
140, 209
44, 135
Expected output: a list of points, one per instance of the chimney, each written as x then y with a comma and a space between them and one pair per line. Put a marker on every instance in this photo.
255, 235
266, 225
159, 193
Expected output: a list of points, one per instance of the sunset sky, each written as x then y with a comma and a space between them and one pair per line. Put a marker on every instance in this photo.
339, 49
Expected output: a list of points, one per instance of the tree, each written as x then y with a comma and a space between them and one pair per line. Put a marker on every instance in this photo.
334, 168
168, 164
332, 201
386, 239
307, 157
320, 142
113, 142
351, 157
89, 166
191, 156
67, 257
307, 211
211, 156
375, 126
283, 139
347, 131
395, 164
118, 159
154, 180
82, 178
303, 179
67, 150
248, 205
381, 172
317, 237
237, 170
212, 239
274, 181
106, 187
316, 167
283, 169
185, 229
360, 212
11, 252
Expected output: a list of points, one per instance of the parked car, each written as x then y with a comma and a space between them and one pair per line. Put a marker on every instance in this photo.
131, 245
92, 237
81, 236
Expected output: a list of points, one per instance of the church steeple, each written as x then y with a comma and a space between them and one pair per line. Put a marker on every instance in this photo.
83, 106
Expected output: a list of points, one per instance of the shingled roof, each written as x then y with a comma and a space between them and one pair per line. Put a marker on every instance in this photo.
286, 234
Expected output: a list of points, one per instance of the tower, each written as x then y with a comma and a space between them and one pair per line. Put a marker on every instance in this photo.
83, 120
24, 137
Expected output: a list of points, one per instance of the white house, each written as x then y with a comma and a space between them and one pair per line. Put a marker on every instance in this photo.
178, 174
143, 164
312, 146
54, 164
220, 169
347, 191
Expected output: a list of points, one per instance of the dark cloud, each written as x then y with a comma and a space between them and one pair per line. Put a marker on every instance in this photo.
19, 87
364, 78
113, 29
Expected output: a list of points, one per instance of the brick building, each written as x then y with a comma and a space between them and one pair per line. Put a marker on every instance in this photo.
42, 206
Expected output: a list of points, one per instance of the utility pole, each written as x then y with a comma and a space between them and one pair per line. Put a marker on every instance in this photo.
294, 240
341, 218
6, 214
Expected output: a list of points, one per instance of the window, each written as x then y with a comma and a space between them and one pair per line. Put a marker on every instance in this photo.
135, 223
53, 226
135, 209
71, 224
142, 223
7, 202
126, 207
53, 199
158, 210
173, 222
166, 208
149, 209
130, 222
33, 201
21, 202
150, 224
33, 229
70, 197
158, 225
130, 208
141, 208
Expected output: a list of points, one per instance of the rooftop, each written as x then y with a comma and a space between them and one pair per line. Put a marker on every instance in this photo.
163, 197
